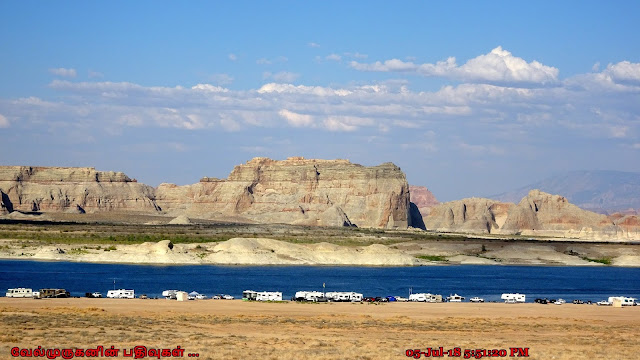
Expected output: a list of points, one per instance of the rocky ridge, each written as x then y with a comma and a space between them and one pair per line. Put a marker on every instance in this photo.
537, 214
293, 191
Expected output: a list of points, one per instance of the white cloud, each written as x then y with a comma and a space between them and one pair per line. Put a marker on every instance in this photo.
333, 57
356, 55
263, 61
64, 72
4, 122
313, 45
497, 67
295, 119
232, 57
346, 123
282, 76
636, 146
624, 72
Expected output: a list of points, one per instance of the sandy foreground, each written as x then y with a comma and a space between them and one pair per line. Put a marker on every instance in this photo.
219, 329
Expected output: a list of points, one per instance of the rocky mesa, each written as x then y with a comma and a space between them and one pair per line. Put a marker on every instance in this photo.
292, 191
537, 214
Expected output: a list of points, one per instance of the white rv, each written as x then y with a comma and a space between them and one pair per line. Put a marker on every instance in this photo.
121, 294
624, 301
308, 296
513, 298
169, 294
269, 296
249, 295
19, 293
420, 297
344, 296
455, 298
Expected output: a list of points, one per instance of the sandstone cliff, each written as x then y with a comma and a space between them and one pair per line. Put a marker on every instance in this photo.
58, 189
473, 215
537, 214
298, 191
293, 191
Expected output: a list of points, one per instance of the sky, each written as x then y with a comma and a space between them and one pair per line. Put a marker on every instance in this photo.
469, 98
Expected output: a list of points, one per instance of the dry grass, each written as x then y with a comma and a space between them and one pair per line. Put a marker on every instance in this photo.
237, 330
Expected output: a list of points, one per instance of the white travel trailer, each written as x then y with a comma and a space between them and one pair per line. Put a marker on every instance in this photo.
308, 296
249, 295
19, 293
121, 294
624, 301
513, 298
344, 296
169, 294
269, 296
425, 297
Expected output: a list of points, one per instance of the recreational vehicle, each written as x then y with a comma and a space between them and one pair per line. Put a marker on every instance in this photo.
624, 301
121, 294
249, 295
269, 296
513, 298
339, 296
455, 298
314, 296
169, 294
19, 293
54, 293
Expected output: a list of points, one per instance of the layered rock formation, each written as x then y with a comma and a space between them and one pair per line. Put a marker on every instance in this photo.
298, 191
292, 191
473, 215
537, 214
58, 189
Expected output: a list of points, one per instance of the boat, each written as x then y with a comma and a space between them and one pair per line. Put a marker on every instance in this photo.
560, 302
455, 298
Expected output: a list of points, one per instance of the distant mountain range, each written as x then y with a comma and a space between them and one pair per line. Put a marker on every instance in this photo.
600, 191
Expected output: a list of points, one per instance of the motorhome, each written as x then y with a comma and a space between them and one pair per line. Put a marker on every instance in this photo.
54, 293
513, 298
309, 296
121, 294
344, 296
624, 301
19, 293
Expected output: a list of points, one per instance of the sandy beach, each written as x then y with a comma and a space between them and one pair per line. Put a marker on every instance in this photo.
219, 329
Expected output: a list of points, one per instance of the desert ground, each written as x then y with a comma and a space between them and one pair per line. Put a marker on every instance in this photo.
223, 329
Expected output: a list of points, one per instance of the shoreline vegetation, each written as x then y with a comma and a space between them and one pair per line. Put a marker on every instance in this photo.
150, 240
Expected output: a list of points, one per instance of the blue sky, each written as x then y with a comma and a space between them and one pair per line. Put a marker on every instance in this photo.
468, 98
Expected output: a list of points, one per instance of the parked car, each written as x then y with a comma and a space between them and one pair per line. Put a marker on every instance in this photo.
603, 303
476, 299
578, 301
227, 297
541, 301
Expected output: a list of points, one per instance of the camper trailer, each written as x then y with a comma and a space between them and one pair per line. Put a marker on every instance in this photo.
624, 301
54, 293
455, 298
169, 294
121, 294
249, 295
269, 296
344, 296
513, 298
314, 296
19, 293
425, 297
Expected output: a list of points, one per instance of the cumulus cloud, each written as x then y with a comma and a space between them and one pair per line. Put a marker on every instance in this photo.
282, 76
624, 72
295, 119
497, 67
4, 123
63, 72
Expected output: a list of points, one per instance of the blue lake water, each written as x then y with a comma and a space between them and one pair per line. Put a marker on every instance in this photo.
585, 283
